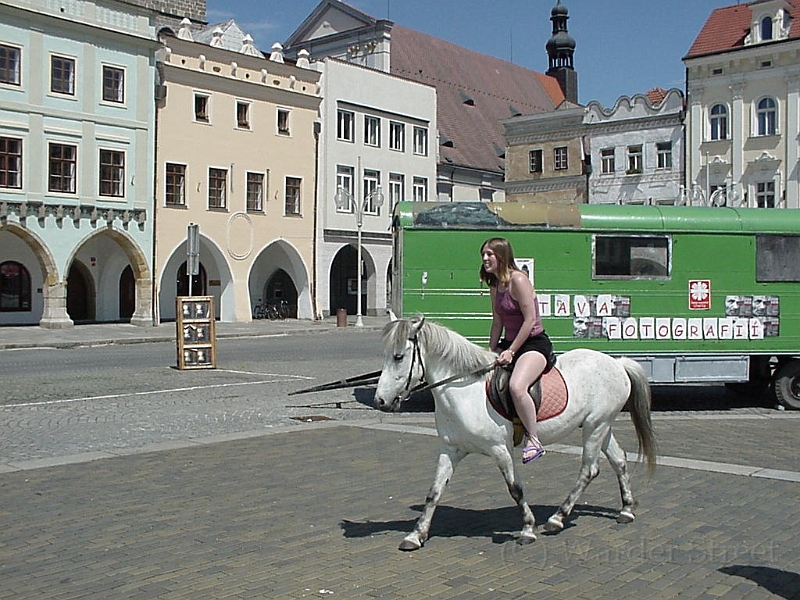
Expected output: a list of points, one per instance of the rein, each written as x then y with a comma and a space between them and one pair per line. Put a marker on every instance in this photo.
422, 387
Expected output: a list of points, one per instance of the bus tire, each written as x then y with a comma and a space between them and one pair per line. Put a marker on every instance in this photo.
787, 384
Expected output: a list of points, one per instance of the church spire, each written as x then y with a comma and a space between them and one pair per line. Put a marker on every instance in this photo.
560, 49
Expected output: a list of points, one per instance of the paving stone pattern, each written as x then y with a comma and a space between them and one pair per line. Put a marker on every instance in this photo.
319, 512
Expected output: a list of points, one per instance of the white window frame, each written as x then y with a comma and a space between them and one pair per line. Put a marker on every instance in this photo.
561, 158
345, 125
608, 161
635, 159
178, 187
345, 176
72, 177
255, 204
397, 188
222, 201
718, 122
371, 181
295, 209
196, 116
536, 160
766, 118
420, 140
420, 189
283, 122
372, 131
13, 163
663, 155
397, 136
247, 125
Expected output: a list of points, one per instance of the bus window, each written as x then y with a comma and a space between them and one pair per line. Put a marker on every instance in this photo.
620, 256
777, 258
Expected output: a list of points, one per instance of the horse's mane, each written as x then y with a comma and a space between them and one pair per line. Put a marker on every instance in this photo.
439, 341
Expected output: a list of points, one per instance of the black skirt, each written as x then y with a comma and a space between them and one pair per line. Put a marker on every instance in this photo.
539, 343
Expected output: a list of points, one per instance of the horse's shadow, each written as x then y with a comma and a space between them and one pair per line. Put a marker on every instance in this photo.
450, 521
417, 403
776, 581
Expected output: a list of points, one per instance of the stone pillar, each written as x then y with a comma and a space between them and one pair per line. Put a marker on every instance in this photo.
143, 314
54, 313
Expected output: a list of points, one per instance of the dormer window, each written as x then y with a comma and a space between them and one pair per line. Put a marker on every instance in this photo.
766, 29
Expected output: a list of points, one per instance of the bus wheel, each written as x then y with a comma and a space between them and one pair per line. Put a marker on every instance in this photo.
787, 384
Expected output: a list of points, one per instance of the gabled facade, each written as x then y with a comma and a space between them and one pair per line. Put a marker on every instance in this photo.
475, 92
378, 133
76, 162
236, 155
636, 149
743, 94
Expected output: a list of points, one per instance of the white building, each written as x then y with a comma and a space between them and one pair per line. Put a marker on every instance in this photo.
378, 131
636, 149
743, 93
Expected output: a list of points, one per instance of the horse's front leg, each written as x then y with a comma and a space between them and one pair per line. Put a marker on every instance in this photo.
506, 465
449, 458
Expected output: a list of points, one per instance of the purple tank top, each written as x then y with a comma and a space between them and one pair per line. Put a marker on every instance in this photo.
512, 315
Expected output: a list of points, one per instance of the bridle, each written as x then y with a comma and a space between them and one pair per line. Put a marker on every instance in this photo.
416, 355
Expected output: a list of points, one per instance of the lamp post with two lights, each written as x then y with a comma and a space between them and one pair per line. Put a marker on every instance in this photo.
344, 199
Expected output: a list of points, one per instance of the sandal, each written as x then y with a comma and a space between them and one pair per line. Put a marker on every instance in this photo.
531, 452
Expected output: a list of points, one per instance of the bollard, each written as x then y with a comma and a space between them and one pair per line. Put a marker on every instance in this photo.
341, 317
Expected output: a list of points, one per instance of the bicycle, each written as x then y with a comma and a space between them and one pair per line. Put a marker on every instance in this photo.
278, 309
260, 310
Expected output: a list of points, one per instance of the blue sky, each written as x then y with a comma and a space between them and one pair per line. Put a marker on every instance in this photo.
624, 47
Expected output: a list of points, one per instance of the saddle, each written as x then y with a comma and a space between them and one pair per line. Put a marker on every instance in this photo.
549, 394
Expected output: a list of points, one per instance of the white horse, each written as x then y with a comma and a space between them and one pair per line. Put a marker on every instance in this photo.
598, 387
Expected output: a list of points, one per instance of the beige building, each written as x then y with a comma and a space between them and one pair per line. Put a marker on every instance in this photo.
235, 154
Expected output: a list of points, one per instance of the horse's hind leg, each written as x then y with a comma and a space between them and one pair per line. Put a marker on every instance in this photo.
593, 442
616, 456
448, 460
506, 465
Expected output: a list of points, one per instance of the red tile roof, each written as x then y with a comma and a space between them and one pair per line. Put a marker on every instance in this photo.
475, 92
726, 29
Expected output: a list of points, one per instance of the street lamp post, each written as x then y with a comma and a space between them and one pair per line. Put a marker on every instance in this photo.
344, 199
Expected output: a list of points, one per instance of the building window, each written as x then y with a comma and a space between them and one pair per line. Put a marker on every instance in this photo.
242, 114
10, 65
664, 155
767, 117
765, 194
766, 29
112, 173
62, 168
292, 202
201, 105
535, 162
283, 121
420, 189
719, 122
345, 125
372, 180
397, 136
255, 192
217, 186
421, 141
397, 184
634, 159
344, 179
15, 287
10, 162
62, 75
113, 84
607, 164
175, 185
560, 161
372, 131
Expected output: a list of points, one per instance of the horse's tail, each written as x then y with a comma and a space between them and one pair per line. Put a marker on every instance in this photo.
639, 406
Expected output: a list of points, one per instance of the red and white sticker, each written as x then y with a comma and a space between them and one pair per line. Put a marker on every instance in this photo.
699, 294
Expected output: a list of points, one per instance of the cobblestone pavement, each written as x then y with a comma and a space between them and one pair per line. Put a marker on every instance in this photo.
316, 509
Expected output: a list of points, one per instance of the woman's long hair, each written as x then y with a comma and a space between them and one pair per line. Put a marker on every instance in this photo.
505, 262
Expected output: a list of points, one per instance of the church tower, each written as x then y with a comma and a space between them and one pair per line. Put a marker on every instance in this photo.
560, 48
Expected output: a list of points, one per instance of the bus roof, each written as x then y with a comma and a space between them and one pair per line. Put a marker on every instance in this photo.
595, 217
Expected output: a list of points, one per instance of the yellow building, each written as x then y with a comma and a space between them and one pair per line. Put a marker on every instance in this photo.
235, 155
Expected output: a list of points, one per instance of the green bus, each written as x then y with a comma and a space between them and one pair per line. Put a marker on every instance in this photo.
695, 294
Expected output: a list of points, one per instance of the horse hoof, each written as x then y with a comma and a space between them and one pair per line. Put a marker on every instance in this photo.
553, 525
625, 516
525, 539
409, 546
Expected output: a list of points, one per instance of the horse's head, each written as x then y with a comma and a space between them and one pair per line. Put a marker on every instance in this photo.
402, 365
